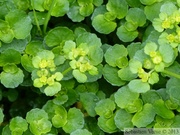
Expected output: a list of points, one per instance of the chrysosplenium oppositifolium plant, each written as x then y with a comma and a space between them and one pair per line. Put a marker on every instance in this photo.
88, 67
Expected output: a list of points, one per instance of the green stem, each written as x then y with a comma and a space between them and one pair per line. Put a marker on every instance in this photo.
67, 70
48, 16
36, 20
171, 74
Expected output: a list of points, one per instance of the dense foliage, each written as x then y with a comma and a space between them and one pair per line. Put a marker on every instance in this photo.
88, 67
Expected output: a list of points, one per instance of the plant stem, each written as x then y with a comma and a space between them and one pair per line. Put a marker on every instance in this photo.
35, 18
66, 71
48, 16
171, 74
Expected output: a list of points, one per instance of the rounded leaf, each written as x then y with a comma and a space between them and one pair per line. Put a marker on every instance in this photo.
74, 14
20, 23
136, 16
105, 108
10, 56
53, 89
167, 53
123, 119
58, 35
81, 132
125, 35
89, 101
75, 120
148, 2
18, 125
102, 25
12, 80
115, 52
119, 7
107, 125
144, 117
111, 75
138, 86
161, 109
80, 77
124, 97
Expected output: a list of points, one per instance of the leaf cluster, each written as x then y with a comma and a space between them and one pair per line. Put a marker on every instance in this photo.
91, 67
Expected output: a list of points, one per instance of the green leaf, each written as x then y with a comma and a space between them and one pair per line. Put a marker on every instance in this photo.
80, 77
38, 120
6, 6
133, 48
34, 47
168, 8
68, 46
163, 123
57, 113
138, 86
51, 90
150, 47
75, 120
136, 16
148, 2
167, 53
12, 80
162, 110
36, 114
134, 3
123, 119
97, 2
74, 14
176, 122
136, 106
113, 54
89, 101
105, 108
95, 55
144, 117
60, 9
86, 9
20, 23
102, 25
10, 56
58, 35
81, 132
38, 5
134, 65
125, 35
150, 96
26, 62
119, 7
152, 11
154, 78
22, 4
90, 39
6, 130
1, 115
40, 17
107, 125
126, 75
6, 33
111, 75
124, 96
173, 92
16, 44
18, 125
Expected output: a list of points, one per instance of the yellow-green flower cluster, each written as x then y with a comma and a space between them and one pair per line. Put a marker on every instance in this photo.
78, 57
44, 63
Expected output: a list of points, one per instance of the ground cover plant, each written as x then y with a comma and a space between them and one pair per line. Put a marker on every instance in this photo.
88, 67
